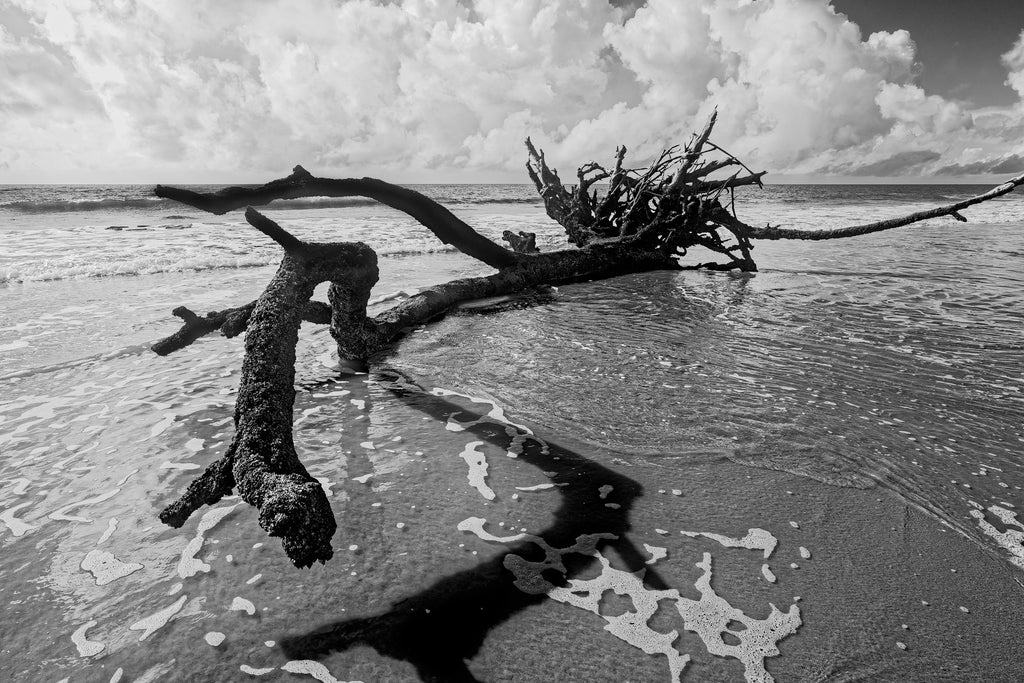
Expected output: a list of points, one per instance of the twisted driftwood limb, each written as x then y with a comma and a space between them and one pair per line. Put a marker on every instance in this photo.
261, 461
776, 233
216, 481
561, 204
439, 220
358, 337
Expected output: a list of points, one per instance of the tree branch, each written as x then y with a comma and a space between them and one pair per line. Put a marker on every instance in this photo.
439, 220
771, 233
289, 242
709, 168
693, 153
230, 322
719, 185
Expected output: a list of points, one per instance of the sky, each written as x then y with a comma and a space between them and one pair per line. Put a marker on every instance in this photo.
142, 91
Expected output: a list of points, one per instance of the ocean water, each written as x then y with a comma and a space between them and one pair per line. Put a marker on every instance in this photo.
888, 367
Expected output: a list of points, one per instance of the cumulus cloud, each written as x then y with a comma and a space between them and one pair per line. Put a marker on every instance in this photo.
1014, 61
421, 89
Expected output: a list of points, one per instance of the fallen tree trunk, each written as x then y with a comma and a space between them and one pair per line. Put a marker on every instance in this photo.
359, 337
646, 220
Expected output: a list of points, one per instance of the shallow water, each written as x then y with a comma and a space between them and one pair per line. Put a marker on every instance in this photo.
836, 364
890, 361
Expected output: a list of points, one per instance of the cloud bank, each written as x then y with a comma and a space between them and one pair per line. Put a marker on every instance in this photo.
448, 89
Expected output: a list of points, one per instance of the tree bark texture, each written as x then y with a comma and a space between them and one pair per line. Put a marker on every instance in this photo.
261, 461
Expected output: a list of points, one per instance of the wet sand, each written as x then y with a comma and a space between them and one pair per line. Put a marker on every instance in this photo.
657, 387
409, 596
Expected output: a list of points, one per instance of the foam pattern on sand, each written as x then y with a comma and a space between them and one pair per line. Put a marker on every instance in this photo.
62, 515
253, 671
656, 553
477, 463
756, 539
537, 487
242, 605
517, 432
189, 564
109, 531
214, 638
1012, 539
314, 669
156, 621
17, 526
708, 616
106, 568
86, 647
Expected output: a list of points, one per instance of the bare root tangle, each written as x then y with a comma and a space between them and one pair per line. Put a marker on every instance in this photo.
664, 207
674, 204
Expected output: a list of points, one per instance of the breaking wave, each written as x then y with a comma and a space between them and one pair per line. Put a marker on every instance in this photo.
126, 204
128, 263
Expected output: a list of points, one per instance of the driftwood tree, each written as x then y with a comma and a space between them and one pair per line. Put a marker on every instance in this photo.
643, 219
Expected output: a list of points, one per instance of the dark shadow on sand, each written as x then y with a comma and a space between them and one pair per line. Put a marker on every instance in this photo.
443, 626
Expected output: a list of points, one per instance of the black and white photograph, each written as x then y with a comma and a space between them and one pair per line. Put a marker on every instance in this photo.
511, 341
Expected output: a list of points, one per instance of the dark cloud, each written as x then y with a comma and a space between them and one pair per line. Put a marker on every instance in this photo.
1013, 163
902, 163
958, 43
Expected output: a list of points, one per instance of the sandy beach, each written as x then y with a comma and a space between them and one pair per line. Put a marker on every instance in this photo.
869, 586
808, 473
